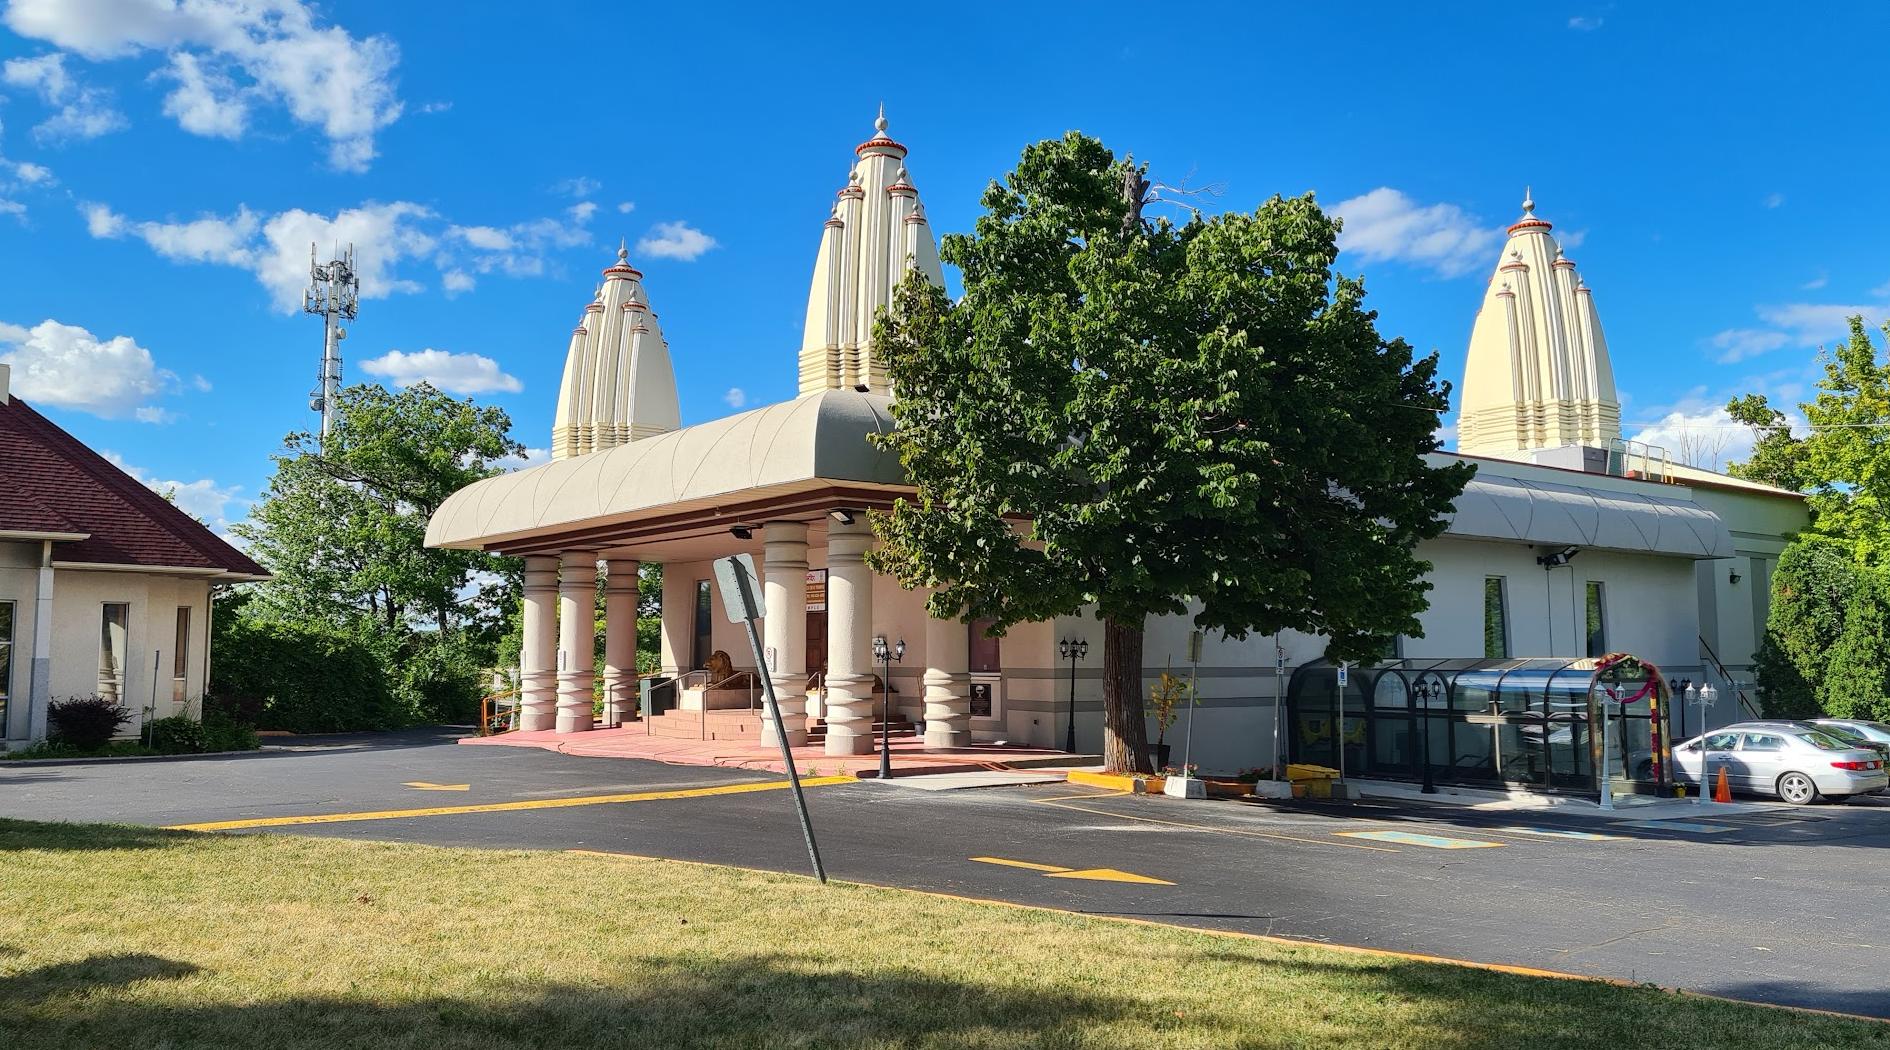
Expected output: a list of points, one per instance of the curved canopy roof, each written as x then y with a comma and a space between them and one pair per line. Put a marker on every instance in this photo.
808, 443
1554, 514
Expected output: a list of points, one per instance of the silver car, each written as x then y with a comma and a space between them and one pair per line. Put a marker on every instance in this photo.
1875, 732
1795, 763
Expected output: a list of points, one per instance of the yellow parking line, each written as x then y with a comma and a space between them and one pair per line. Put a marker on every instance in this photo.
503, 807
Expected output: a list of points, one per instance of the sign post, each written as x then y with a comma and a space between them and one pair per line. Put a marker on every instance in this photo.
735, 578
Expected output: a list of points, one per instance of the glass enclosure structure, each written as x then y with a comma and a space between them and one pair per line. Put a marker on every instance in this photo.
1524, 722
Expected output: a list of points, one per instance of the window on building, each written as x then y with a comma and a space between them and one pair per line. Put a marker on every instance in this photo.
705, 626
6, 660
112, 650
180, 658
1495, 619
1597, 623
982, 648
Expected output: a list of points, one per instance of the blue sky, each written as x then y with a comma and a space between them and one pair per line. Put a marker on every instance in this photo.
164, 165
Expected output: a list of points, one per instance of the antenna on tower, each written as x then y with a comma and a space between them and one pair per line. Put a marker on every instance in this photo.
333, 292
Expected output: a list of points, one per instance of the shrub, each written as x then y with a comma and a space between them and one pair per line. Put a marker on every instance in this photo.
311, 679
439, 680
84, 722
177, 735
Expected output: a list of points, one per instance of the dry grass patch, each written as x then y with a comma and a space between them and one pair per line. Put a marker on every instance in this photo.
125, 937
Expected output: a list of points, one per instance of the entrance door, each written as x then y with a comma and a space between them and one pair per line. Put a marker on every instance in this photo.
817, 641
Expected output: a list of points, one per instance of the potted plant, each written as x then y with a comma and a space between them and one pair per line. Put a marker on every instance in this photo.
1164, 700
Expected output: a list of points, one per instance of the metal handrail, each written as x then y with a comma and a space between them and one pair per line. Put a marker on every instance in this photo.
489, 702
752, 678
1731, 683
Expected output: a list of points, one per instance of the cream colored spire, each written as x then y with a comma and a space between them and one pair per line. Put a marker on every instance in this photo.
618, 385
1537, 374
875, 235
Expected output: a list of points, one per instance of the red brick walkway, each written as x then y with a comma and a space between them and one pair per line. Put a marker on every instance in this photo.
909, 756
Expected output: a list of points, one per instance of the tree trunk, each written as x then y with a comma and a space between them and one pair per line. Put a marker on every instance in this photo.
1125, 727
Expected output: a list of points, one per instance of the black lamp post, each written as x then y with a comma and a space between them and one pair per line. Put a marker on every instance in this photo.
1072, 649
1427, 689
886, 654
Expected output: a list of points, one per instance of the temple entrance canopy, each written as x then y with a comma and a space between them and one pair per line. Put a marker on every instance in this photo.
1525, 722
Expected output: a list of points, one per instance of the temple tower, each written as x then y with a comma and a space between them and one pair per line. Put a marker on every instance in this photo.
618, 386
1537, 375
876, 234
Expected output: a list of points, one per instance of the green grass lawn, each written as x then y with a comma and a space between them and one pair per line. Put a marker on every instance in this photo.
132, 938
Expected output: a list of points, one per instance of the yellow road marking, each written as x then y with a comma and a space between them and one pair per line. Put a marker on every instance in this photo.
1065, 804
1020, 864
503, 807
1108, 875
422, 785
1057, 871
1264, 938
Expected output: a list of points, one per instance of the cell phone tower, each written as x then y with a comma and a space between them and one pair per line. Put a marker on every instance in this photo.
333, 291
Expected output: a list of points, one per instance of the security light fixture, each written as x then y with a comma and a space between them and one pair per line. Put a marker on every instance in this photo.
862, 388
1732, 576
843, 516
741, 532
1559, 558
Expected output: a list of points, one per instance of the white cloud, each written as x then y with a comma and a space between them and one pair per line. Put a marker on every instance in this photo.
1820, 322
1738, 344
454, 373
205, 102
1699, 435
321, 75
1824, 278
1585, 23
1572, 239
68, 367
13, 208
626, 207
388, 238
579, 187
430, 108
675, 240
582, 211
81, 112
202, 499
101, 221
1773, 200
736, 397
533, 457
200, 384
1387, 225
33, 174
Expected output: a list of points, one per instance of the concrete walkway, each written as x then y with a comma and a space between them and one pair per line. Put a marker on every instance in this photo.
1626, 806
909, 755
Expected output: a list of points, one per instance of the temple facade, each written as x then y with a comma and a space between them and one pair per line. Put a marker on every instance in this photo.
1561, 549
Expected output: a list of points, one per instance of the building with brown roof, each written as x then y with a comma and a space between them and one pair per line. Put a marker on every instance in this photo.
104, 585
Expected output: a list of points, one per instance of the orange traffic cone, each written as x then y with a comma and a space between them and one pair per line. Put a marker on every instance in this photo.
1721, 792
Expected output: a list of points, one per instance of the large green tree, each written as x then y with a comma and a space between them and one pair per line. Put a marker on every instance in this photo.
1824, 650
342, 526
1148, 417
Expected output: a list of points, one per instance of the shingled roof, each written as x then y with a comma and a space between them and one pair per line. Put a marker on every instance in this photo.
52, 486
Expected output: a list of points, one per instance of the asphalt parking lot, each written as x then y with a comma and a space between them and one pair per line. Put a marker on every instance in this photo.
1776, 905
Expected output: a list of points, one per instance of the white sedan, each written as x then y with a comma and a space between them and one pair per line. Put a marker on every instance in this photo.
1797, 764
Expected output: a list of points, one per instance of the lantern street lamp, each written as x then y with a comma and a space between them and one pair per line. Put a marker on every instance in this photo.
1428, 688
1707, 695
886, 655
1072, 649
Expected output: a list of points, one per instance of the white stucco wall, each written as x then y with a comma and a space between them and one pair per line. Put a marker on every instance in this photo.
79, 597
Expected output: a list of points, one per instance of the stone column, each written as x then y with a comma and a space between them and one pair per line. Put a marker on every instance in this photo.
784, 590
947, 684
849, 707
679, 620
577, 640
620, 640
538, 659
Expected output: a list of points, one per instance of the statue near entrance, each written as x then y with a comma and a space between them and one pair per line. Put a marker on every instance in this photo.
720, 667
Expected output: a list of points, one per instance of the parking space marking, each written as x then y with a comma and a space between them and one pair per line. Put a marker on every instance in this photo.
504, 807
1686, 826
1411, 838
1061, 803
1563, 833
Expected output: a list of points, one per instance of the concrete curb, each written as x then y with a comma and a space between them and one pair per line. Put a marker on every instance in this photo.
11, 763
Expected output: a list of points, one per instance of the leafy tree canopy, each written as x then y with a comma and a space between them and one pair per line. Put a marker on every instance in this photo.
1135, 413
